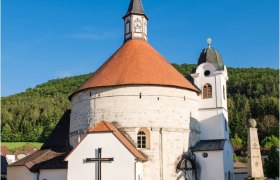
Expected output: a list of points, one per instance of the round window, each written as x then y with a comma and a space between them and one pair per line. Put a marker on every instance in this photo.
207, 73
205, 155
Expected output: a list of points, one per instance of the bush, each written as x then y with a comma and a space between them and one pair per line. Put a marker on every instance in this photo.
271, 163
270, 141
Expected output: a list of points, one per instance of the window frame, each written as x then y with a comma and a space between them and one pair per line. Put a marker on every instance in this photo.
207, 91
143, 138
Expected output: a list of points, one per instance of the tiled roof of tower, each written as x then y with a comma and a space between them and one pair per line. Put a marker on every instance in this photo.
104, 126
212, 56
136, 63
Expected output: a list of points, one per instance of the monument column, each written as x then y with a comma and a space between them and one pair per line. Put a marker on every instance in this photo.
255, 167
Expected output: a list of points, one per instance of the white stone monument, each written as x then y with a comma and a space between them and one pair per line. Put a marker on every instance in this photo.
255, 167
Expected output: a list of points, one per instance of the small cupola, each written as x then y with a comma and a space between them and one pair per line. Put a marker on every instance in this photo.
135, 22
212, 56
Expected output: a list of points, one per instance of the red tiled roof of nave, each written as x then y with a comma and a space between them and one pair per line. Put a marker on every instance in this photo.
136, 62
104, 126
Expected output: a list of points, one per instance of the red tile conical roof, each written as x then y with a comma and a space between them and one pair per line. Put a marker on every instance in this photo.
138, 63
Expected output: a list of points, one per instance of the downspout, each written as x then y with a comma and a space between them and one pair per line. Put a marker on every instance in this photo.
135, 169
195, 170
161, 155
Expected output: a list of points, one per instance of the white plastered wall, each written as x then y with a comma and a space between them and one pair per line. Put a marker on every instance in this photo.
123, 166
212, 167
213, 115
228, 159
213, 124
217, 79
20, 173
53, 174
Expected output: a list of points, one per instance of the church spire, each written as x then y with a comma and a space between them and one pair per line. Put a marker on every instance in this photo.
135, 21
135, 7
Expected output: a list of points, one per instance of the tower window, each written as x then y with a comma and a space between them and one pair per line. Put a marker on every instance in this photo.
145, 28
207, 91
127, 26
141, 140
226, 125
207, 73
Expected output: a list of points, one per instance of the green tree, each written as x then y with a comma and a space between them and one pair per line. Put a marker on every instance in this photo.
6, 133
271, 163
270, 141
236, 142
33, 114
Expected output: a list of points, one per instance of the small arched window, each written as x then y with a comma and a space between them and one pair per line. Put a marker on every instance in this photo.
207, 91
143, 138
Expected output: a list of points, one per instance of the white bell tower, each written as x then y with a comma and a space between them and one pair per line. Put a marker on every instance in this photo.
135, 22
214, 146
211, 77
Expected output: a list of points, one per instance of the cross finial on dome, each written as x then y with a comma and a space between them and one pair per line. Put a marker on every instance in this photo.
209, 40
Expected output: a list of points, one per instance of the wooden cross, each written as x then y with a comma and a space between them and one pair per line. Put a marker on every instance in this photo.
99, 160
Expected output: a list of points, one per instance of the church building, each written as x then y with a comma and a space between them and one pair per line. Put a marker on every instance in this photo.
138, 118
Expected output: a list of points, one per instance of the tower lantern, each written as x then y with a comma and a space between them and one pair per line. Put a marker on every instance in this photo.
135, 22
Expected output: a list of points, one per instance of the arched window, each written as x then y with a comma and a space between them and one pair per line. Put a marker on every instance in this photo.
207, 91
143, 138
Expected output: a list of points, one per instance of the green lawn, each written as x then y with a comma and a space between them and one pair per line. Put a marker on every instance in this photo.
13, 146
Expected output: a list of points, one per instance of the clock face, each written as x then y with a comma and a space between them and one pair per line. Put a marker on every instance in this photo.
137, 24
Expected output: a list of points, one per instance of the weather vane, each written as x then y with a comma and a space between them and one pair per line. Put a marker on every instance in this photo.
209, 40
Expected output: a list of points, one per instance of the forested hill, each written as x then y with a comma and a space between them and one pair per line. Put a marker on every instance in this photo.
31, 115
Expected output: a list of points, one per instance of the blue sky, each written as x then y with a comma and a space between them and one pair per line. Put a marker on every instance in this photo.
43, 40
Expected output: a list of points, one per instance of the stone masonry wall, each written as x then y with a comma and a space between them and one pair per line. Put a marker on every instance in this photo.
170, 114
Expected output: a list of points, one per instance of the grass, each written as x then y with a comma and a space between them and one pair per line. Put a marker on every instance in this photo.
13, 146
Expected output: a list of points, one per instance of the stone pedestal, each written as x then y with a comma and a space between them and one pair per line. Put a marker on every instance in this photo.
255, 166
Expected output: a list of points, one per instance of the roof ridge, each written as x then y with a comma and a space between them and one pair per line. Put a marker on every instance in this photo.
107, 124
33, 161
